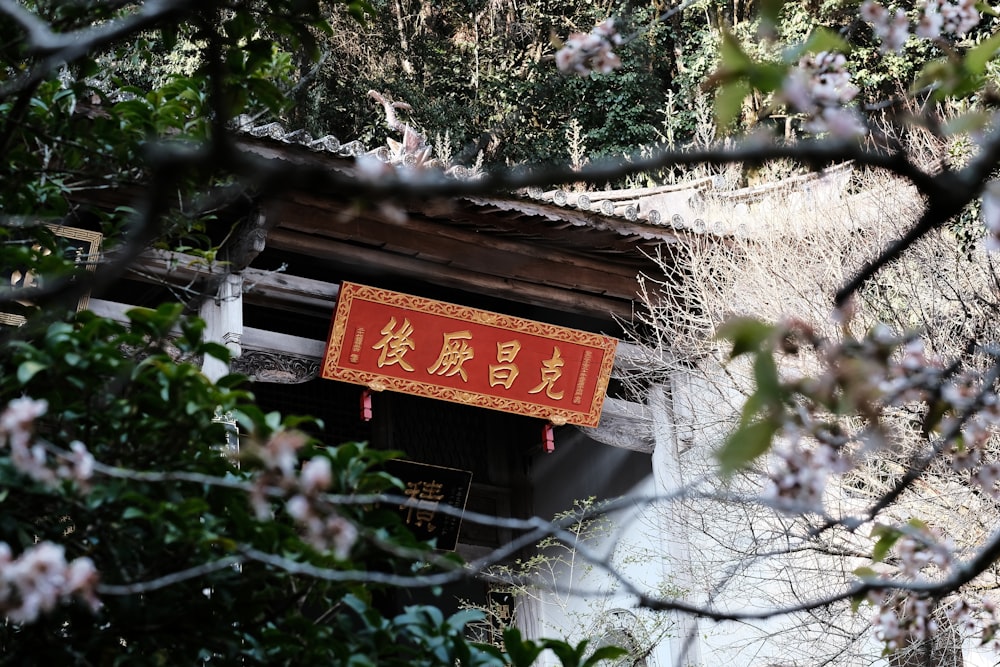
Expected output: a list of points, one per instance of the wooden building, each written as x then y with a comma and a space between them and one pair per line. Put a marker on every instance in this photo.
558, 257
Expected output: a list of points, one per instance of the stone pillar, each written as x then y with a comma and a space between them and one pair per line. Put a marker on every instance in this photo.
223, 317
668, 477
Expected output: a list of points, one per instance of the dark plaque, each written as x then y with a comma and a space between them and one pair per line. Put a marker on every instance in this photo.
427, 488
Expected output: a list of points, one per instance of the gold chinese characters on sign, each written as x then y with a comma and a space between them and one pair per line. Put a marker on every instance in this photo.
388, 340
427, 489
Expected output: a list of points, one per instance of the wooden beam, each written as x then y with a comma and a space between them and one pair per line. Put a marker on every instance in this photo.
274, 288
625, 425
447, 276
478, 253
271, 288
311, 214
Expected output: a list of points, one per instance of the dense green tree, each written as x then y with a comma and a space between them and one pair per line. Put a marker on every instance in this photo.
127, 536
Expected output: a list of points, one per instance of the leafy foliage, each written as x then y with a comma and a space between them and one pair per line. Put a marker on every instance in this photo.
168, 519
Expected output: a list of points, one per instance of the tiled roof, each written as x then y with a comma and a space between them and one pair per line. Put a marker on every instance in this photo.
707, 205
704, 205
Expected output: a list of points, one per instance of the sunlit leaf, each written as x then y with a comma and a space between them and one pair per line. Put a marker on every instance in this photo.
746, 444
887, 537
28, 369
982, 53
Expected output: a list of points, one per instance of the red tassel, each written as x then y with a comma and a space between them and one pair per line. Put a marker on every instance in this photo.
548, 439
366, 405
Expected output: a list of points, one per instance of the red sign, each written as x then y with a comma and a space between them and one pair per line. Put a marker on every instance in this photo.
388, 340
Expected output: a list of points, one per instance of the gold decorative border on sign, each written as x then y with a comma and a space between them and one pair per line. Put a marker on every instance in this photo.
380, 382
92, 238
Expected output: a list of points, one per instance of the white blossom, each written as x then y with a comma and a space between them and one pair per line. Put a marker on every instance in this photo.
583, 53
281, 451
819, 87
873, 12
937, 19
917, 552
31, 458
893, 29
903, 619
316, 475
799, 476
958, 18
931, 22
18, 419
41, 578
321, 524
839, 122
298, 508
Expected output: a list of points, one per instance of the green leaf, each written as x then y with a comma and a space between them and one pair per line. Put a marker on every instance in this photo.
746, 333
865, 573
359, 11
273, 420
767, 77
522, 653
823, 39
460, 619
770, 10
765, 373
729, 101
168, 34
746, 444
28, 370
569, 655
133, 513
240, 26
887, 537
973, 121
734, 59
978, 56
605, 653
217, 350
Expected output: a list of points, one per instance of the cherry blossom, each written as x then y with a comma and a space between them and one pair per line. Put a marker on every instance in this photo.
819, 87
892, 28
316, 475
902, 619
957, 18
922, 549
41, 578
18, 420
31, 458
583, 53
304, 488
798, 478
324, 529
937, 19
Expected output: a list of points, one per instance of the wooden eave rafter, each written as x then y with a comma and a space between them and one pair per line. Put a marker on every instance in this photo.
440, 239
512, 213
505, 246
457, 244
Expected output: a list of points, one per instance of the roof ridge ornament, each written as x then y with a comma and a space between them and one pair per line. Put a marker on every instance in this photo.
413, 150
